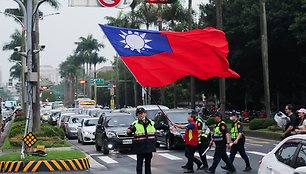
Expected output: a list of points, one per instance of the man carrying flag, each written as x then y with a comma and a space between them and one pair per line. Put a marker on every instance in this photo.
158, 59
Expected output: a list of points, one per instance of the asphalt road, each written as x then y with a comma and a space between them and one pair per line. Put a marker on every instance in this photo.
169, 161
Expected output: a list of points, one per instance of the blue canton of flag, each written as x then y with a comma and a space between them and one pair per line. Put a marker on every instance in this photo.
136, 42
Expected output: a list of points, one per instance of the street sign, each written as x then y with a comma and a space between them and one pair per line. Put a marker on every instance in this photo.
29, 139
109, 3
92, 81
99, 81
109, 86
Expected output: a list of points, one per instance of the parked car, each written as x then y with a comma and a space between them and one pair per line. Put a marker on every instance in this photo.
54, 117
111, 132
87, 130
152, 109
171, 138
289, 156
72, 124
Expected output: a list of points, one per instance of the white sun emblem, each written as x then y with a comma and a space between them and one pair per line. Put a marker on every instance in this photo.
135, 41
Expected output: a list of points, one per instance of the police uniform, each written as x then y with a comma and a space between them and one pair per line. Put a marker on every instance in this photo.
144, 141
219, 138
203, 143
237, 128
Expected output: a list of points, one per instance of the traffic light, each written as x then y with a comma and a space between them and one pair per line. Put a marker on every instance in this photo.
83, 81
161, 1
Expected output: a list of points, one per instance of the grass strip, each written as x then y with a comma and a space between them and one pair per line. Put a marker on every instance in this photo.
51, 155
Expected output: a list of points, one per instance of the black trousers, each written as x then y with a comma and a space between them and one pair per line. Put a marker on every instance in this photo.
220, 153
201, 148
239, 147
189, 153
147, 157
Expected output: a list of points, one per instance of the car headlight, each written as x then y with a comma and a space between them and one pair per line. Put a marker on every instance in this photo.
87, 133
111, 134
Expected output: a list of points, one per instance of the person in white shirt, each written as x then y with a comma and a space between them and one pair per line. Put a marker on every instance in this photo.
302, 121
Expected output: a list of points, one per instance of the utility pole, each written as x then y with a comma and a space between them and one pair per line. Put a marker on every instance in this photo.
264, 54
36, 63
192, 78
221, 80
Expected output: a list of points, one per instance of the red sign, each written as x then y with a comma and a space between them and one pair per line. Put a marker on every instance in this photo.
109, 3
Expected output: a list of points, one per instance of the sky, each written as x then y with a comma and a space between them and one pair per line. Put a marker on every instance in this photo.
60, 32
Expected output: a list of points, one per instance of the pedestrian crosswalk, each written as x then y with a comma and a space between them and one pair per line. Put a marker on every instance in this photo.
166, 154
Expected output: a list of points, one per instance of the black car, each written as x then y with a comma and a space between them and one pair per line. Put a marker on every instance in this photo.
111, 132
170, 138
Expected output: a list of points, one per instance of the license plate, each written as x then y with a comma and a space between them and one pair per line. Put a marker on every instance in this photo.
127, 141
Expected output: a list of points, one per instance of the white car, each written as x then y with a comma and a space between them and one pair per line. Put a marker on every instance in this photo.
289, 156
87, 129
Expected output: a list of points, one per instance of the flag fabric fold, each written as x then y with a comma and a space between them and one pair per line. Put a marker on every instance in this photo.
159, 58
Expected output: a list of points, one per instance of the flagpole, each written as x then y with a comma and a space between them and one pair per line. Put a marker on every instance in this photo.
163, 112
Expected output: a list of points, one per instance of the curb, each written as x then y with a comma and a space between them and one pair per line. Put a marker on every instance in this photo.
45, 165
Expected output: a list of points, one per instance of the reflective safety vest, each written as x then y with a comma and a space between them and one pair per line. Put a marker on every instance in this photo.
205, 130
218, 136
191, 136
141, 133
234, 131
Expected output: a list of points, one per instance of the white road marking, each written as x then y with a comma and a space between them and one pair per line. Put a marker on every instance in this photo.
259, 145
171, 157
237, 155
134, 157
107, 159
256, 153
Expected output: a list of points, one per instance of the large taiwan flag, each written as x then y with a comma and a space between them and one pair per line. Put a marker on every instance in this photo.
159, 58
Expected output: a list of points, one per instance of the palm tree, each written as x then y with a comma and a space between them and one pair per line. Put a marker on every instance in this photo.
15, 70
86, 49
95, 59
69, 70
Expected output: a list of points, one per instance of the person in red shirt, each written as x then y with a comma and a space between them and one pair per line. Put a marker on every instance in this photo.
191, 140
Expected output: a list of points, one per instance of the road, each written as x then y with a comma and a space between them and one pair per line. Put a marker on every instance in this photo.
169, 161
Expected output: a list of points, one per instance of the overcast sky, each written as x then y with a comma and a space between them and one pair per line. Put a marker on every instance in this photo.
59, 32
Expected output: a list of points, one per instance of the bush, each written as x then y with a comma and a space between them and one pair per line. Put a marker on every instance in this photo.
20, 118
261, 123
274, 128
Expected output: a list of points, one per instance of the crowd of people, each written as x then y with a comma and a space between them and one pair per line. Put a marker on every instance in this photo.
198, 138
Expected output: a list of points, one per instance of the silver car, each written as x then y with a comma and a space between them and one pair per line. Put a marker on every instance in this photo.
87, 130
71, 126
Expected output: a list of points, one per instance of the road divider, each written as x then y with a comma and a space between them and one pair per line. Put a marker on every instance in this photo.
45, 165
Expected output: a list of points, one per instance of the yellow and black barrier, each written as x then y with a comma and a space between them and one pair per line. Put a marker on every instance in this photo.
45, 165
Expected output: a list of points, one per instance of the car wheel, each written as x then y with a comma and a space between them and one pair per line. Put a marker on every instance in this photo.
105, 150
168, 144
98, 148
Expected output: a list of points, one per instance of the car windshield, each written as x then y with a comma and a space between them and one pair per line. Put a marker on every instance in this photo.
91, 122
151, 113
76, 119
119, 121
178, 117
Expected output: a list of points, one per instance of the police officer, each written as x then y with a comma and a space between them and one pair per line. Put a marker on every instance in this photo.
144, 139
222, 140
238, 141
191, 140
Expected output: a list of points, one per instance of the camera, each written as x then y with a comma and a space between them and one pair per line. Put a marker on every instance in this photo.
17, 49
